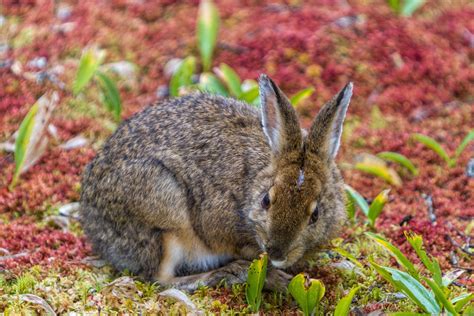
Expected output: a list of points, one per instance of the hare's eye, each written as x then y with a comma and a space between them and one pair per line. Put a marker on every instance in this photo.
266, 201
314, 215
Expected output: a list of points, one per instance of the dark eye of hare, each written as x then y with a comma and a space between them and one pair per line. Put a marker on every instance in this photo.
265, 202
314, 215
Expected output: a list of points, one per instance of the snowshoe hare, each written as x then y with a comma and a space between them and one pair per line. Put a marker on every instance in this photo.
187, 191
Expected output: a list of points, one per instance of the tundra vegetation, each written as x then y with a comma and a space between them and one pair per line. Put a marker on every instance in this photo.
71, 72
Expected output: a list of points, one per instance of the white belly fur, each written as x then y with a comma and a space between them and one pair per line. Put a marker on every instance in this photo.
188, 249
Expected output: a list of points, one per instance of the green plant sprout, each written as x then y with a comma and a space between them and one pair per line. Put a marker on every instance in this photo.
405, 7
373, 211
307, 293
435, 298
343, 306
377, 166
88, 70
224, 80
256, 279
438, 149
399, 159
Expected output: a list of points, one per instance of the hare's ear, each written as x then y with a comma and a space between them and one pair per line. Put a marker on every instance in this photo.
279, 119
325, 134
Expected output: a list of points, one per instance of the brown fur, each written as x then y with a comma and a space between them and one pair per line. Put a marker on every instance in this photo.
175, 193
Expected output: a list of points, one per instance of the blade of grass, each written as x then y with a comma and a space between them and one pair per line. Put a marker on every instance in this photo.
358, 199
111, 94
400, 159
416, 241
433, 145
21, 143
90, 61
207, 31
461, 301
469, 137
409, 286
438, 292
396, 253
301, 95
343, 307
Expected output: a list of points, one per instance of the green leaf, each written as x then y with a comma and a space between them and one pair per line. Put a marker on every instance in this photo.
357, 198
208, 82
307, 293
301, 95
410, 6
469, 311
461, 301
250, 91
438, 292
256, 279
376, 206
349, 256
396, 253
469, 137
400, 159
230, 78
343, 307
111, 94
416, 241
382, 172
394, 5
182, 77
90, 61
410, 287
433, 145
32, 140
207, 31
22, 140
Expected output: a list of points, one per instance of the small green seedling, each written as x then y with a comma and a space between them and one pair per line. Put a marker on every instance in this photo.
301, 95
433, 300
207, 30
343, 306
223, 80
399, 159
373, 211
88, 70
32, 138
405, 7
438, 149
256, 279
307, 293
377, 167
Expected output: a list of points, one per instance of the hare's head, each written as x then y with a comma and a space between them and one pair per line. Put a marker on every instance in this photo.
299, 204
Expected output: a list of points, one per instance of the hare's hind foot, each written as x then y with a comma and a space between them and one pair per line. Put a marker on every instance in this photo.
232, 273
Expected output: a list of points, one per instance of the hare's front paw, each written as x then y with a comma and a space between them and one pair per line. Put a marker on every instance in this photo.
277, 280
233, 273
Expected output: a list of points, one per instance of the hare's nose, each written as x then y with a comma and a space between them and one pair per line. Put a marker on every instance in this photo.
276, 254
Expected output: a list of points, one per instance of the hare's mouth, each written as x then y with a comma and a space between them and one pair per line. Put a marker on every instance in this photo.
280, 263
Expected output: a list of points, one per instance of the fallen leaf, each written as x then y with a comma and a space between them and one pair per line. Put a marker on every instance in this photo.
181, 297
33, 299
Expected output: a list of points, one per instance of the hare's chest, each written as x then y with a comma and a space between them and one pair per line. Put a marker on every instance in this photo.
182, 256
